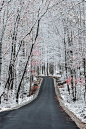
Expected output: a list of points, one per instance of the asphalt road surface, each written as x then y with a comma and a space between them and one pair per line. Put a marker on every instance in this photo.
43, 113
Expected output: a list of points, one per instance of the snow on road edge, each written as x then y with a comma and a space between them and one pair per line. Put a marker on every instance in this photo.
78, 122
26, 101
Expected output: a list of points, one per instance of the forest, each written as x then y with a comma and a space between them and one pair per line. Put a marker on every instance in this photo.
42, 38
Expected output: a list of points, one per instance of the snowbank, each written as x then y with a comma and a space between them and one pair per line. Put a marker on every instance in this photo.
21, 103
76, 110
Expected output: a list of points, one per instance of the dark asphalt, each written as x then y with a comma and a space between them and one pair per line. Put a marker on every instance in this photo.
43, 113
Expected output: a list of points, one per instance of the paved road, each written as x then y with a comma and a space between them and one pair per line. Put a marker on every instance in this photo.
42, 113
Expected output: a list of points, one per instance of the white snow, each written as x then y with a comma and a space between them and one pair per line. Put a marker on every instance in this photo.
64, 21
14, 105
78, 107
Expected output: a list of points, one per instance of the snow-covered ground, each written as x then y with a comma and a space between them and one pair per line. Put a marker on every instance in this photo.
79, 106
23, 100
6, 106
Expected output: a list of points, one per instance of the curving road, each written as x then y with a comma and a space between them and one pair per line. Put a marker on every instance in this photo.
43, 113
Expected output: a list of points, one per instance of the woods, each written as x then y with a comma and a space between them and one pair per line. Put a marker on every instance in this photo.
20, 22
42, 37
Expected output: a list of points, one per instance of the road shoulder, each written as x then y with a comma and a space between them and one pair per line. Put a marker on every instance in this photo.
78, 122
31, 98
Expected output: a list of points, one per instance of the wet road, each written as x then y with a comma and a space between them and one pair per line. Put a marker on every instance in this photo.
43, 113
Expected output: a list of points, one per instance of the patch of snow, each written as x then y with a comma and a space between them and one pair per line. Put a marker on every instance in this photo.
78, 107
